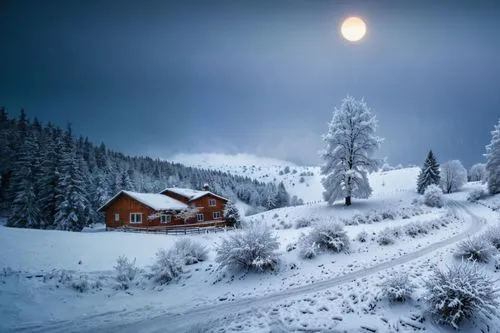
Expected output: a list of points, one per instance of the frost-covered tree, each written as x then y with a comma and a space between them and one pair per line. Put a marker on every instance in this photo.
73, 207
429, 173
453, 176
477, 172
348, 157
231, 214
25, 211
493, 163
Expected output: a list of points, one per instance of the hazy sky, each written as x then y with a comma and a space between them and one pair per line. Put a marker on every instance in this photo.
260, 77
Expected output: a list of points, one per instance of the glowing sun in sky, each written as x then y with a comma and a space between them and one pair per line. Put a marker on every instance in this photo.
353, 29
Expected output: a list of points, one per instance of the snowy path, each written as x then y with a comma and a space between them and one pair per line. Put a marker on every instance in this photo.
189, 317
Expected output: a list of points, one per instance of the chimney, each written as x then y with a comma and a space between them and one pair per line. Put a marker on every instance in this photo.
206, 187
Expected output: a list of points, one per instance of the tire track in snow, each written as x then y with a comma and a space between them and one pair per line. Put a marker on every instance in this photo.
188, 318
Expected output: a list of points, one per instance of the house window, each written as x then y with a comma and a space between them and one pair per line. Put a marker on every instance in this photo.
216, 215
211, 202
117, 217
135, 218
165, 218
200, 217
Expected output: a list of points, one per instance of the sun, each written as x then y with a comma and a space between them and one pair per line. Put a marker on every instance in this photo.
353, 29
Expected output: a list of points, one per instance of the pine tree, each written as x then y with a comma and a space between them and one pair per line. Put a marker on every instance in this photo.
47, 182
25, 212
350, 145
232, 215
429, 173
493, 163
72, 210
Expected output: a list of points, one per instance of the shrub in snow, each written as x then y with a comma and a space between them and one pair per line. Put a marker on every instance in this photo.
414, 229
328, 237
191, 252
168, 266
308, 249
493, 236
81, 284
290, 247
453, 176
362, 236
477, 194
398, 288
385, 237
388, 215
460, 292
433, 196
125, 272
302, 223
359, 219
251, 249
475, 249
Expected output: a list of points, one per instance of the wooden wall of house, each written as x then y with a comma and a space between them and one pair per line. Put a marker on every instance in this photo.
206, 210
124, 205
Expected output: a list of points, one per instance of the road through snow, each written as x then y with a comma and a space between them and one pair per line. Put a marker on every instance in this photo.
184, 320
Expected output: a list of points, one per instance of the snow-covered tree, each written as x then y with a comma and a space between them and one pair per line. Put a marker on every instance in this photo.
477, 172
231, 214
493, 163
453, 176
429, 173
25, 211
73, 208
348, 157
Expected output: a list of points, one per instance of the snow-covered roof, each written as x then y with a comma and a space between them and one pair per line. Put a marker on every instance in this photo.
190, 194
153, 200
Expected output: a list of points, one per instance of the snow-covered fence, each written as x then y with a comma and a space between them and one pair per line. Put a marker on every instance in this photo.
173, 231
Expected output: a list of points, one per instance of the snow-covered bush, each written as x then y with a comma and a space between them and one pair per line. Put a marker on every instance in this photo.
359, 219
81, 284
398, 288
168, 267
493, 236
433, 196
362, 236
326, 237
453, 176
477, 194
125, 272
191, 252
302, 223
252, 249
460, 292
414, 229
389, 215
475, 249
308, 249
385, 237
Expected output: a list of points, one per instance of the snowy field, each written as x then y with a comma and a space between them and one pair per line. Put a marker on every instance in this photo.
65, 282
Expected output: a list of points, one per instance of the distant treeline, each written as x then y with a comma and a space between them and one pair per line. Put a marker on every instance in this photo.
51, 179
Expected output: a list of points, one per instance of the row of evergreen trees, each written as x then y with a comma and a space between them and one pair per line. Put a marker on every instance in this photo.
52, 180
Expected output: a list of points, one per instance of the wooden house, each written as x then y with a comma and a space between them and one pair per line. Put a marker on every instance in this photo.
172, 207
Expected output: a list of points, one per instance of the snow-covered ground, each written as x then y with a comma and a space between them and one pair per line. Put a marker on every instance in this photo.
330, 293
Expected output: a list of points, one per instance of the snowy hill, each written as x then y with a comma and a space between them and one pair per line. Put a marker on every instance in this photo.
301, 181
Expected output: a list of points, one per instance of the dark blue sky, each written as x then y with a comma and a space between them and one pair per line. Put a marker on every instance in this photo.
160, 78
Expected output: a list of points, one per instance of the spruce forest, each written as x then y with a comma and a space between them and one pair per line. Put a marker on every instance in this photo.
51, 179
